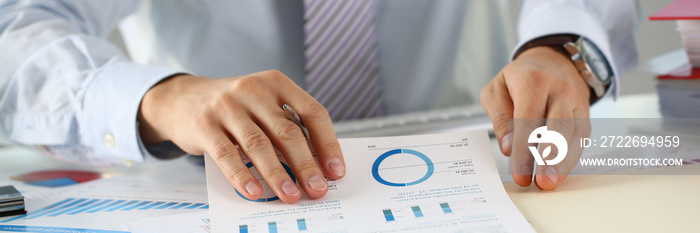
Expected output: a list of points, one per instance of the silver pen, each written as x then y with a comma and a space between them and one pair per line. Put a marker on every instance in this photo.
294, 117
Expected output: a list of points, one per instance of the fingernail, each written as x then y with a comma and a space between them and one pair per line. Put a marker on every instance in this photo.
290, 188
551, 174
525, 170
505, 143
316, 182
252, 188
337, 166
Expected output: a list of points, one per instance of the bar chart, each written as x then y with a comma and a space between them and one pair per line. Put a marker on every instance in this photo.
243, 229
75, 206
281, 225
301, 224
426, 211
445, 208
272, 227
388, 215
417, 211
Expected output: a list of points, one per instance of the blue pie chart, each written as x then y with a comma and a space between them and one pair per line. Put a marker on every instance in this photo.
381, 158
268, 199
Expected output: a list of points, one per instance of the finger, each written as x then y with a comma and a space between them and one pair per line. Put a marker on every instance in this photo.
257, 146
323, 140
582, 129
318, 122
497, 103
228, 159
560, 119
528, 110
289, 139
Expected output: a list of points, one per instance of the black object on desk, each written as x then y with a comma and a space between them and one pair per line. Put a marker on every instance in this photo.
11, 201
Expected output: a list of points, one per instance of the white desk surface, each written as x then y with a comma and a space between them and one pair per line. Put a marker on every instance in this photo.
621, 201
628, 201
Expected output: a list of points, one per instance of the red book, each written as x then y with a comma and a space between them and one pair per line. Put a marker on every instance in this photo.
678, 10
694, 74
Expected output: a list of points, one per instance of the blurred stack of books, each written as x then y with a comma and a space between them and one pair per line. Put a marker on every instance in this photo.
11, 201
679, 90
679, 96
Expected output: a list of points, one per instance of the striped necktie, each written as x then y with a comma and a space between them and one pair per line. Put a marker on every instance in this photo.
341, 57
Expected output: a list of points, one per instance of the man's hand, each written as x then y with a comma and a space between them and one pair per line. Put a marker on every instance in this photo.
209, 116
539, 83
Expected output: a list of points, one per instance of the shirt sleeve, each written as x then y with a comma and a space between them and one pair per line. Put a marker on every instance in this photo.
64, 87
610, 25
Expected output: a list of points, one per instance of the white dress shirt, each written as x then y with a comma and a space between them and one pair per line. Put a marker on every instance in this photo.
65, 88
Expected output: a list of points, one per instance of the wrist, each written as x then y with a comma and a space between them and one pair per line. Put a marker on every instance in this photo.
155, 111
545, 57
555, 42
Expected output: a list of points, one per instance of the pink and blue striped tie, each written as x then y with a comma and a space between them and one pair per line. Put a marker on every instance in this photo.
341, 57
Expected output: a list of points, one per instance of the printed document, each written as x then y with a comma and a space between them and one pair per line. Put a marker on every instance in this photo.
439, 183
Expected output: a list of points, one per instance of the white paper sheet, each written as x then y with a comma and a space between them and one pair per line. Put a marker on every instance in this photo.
440, 182
121, 195
195, 222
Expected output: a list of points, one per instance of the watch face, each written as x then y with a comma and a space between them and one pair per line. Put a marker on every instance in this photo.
596, 61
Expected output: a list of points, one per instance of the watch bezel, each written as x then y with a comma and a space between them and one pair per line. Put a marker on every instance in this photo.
598, 85
586, 47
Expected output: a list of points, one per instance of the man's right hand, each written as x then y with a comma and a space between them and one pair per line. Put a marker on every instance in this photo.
211, 116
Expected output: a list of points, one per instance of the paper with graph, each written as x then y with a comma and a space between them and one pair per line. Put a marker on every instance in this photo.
440, 182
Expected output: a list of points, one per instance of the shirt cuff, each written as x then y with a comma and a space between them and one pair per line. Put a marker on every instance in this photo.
551, 19
110, 108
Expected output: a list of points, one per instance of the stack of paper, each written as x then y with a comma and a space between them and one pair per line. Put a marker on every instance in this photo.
679, 91
690, 35
687, 14
11, 201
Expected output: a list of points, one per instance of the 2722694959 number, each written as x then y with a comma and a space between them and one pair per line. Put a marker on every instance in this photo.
631, 141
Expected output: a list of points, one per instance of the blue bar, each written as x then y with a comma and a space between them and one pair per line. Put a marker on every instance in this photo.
40, 210
301, 224
14, 228
388, 215
81, 205
152, 205
90, 207
445, 207
180, 205
243, 229
166, 205
121, 206
416, 211
58, 209
195, 206
204, 207
106, 206
141, 204
272, 227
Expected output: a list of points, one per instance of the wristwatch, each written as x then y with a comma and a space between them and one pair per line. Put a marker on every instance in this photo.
587, 58
592, 65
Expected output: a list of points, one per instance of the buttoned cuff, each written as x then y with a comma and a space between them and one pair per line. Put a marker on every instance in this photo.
551, 19
110, 108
